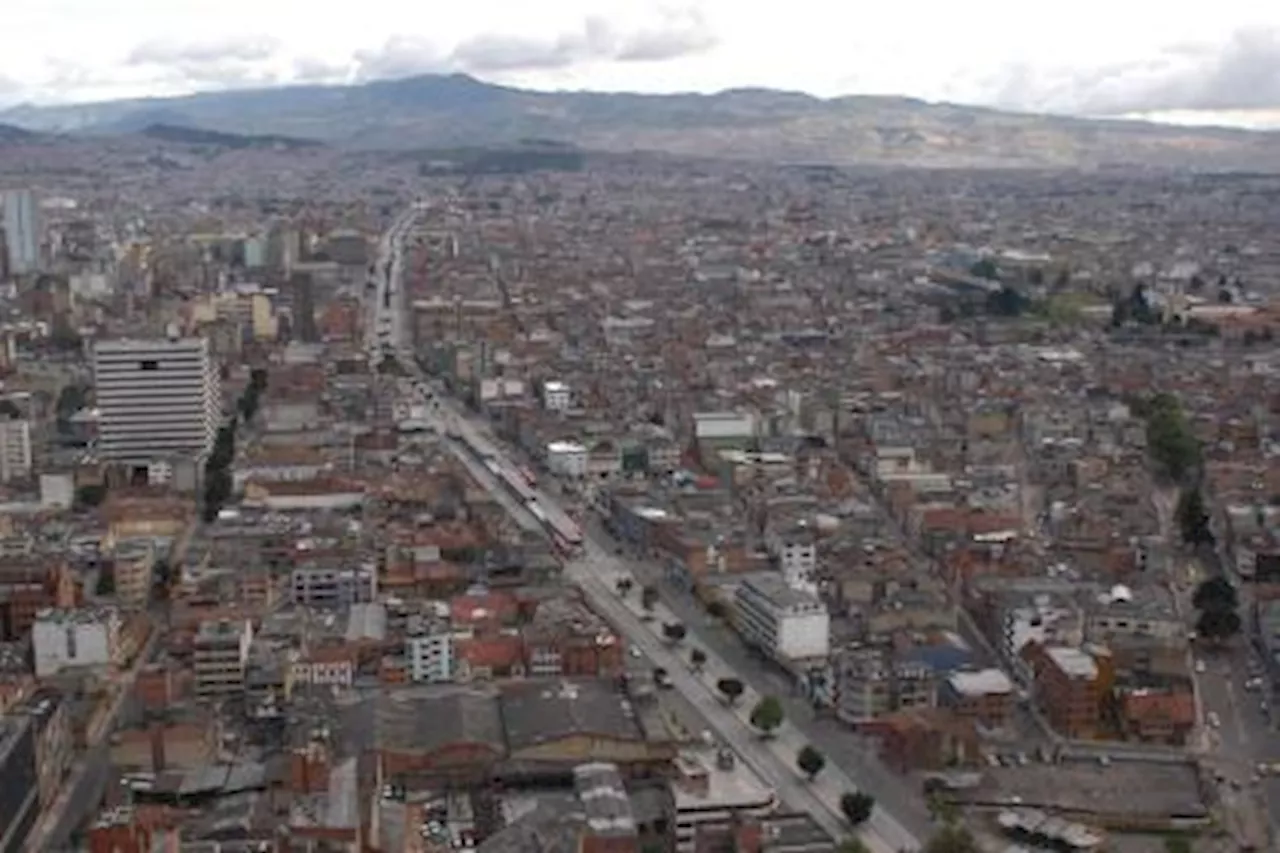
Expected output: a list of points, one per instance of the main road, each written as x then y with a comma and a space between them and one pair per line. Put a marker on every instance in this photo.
597, 571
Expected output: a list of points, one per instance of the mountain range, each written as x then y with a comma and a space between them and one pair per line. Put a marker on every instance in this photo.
449, 111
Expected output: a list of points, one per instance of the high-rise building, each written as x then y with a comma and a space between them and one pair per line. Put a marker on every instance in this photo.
20, 796
22, 232
304, 307
15, 450
156, 399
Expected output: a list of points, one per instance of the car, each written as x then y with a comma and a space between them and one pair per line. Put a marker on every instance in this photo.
1214, 720
636, 653
1201, 667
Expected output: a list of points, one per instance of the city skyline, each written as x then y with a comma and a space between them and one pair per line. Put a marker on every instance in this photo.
1215, 65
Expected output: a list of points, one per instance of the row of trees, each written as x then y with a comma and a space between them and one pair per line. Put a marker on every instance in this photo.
1218, 609
768, 715
217, 469
1170, 441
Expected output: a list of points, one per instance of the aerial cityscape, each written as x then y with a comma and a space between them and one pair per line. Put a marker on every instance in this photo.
437, 461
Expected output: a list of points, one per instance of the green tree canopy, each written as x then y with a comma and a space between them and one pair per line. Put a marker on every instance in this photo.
731, 689
810, 761
1216, 593
1170, 441
985, 268
767, 715
1218, 624
857, 806
1193, 518
952, 839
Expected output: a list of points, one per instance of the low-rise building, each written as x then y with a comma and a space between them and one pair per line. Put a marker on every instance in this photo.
1066, 688
986, 697
785, 623
567, 459
74, 638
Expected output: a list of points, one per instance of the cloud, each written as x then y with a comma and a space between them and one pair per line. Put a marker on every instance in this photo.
676, 34
1242, 73
682, 33
311, 70
400, 56
256, 48
222, 63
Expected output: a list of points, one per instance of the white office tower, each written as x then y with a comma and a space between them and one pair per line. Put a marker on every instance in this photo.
157, 399
22, 233
15, 450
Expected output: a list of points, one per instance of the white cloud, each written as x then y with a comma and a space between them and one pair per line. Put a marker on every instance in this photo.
1089, 55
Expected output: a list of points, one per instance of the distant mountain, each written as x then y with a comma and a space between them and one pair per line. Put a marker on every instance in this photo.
452, 111
14, 135
216, 139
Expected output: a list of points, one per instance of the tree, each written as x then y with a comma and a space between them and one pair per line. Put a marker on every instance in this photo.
767, 715
731, 689
649, 598
853, 845
985, 268
1006, 302
1217, 624
952, 839
810, 761
857, 806
1216, 593
90, 495
697, 658
673, 632
1177, 844
217, 489
717, 610
1170, 441
1193, 518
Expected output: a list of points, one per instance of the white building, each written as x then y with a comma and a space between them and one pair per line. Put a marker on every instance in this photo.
57, 491
567, 459
713, 426
796, 550
15, 450
63, 639
786, 623
157, 399
431, 657
556, 396
22, 230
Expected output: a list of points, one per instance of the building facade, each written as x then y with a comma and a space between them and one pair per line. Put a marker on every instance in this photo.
20, 794
82, 637
785, 623
157, 399
220, 653
22, 231
15, 450
431, 657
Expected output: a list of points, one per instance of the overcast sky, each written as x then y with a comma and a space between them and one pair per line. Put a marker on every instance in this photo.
1087, 56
